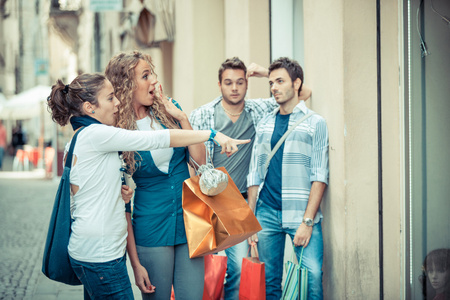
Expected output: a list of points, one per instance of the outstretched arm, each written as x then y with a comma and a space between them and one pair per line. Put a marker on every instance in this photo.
182, 138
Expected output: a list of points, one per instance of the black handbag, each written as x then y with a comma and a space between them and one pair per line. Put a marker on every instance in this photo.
56, 264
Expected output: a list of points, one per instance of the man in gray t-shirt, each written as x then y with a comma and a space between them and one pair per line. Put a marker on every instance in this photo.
241, 129
236, 117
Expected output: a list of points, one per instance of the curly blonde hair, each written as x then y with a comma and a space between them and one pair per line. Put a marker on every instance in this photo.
120, 72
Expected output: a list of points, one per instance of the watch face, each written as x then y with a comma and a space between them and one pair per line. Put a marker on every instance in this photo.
309, 222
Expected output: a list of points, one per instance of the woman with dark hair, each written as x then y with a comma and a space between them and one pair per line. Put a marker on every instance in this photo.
436, 275
99, 230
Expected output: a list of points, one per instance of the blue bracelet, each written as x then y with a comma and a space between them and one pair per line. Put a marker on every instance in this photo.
212, 136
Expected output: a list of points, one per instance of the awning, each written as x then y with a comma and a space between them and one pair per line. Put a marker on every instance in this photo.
2, 103
25, 105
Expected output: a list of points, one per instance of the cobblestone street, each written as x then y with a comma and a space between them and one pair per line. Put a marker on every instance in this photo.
25, 209
26, 202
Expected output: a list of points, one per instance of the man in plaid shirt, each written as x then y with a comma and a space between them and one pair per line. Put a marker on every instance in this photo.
236, 117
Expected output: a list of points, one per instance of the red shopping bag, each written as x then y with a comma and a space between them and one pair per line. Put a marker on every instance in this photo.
215, 269
253, 277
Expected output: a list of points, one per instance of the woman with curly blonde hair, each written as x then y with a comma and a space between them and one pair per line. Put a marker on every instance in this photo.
157, 244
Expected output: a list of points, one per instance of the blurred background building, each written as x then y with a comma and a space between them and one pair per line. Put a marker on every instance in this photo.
379, 75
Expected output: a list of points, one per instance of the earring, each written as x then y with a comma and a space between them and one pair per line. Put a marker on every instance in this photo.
93, 112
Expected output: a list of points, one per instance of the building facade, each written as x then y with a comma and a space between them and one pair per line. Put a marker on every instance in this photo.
384, 100
379, 75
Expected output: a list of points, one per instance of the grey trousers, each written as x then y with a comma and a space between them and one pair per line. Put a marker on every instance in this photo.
167, 266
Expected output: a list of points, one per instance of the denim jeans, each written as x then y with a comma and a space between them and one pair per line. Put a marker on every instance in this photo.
108, 280
235, 255
271, 251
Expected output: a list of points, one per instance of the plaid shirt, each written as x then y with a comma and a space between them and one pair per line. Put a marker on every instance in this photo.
305, 159
202, 118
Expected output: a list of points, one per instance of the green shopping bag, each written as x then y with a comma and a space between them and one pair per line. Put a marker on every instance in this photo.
296, 284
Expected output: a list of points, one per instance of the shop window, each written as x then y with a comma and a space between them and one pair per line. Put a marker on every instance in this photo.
286, 29
428, 143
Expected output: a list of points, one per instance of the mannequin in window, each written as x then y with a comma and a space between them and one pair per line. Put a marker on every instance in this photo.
436, 275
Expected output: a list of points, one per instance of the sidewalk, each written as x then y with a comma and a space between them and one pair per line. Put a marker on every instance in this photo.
8, 173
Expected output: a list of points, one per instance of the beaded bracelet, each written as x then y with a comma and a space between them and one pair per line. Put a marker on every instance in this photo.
212, 136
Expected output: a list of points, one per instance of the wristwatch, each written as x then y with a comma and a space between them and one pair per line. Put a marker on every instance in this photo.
308, 222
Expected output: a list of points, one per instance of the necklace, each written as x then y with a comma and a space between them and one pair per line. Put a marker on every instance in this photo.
230, 113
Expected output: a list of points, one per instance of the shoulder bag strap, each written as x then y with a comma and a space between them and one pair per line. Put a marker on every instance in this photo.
72, 145
278, 145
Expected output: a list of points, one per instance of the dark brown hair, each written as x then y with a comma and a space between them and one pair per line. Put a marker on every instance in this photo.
291, 66
232, 63
67, 100
436, 260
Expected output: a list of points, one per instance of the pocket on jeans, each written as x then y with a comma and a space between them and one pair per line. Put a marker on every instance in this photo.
118, 261
106, 281
79, 271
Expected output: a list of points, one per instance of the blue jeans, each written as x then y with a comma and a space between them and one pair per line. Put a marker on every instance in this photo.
271, 251
171, 265
235, 255
108, 280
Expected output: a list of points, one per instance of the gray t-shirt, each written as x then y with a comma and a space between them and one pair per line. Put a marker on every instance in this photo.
236, 165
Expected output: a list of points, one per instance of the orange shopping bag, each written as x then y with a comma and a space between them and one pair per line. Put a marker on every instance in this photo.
253, 277
215, 223
215, 269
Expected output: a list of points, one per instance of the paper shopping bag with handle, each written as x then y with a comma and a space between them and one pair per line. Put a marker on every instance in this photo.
215, 223
296, 283
215, 270
253, 277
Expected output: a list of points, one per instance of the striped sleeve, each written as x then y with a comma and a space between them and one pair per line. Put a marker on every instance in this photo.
253, 176
201, 119
319, 155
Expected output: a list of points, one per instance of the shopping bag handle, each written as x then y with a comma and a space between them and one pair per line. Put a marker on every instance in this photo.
253, 246
301, 256
295, 256
196, 166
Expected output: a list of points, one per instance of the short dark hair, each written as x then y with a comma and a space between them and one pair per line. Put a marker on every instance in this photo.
291, 66
232, 63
